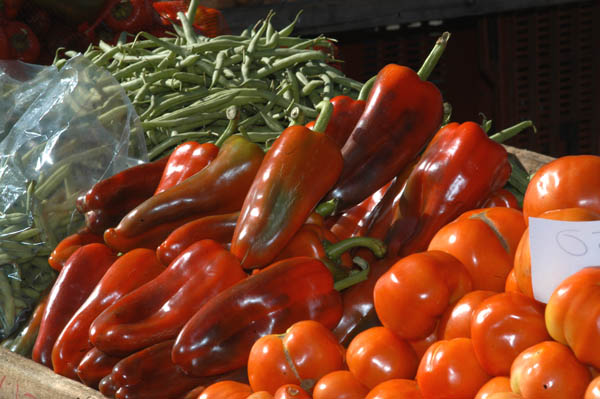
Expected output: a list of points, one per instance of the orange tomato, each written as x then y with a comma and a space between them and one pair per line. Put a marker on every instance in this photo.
504, 395
396, 389
340, 384
420, 346
411, 296
260, 395
450, 370
485, 241
511, 284
593, 389
226, 390
377, 354
548, 370
522, 264
567, 182
498, 384
291, 391
305, 353
573, 314
503, 326
456, 321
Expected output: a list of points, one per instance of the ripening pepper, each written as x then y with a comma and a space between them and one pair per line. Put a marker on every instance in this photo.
346, 112
70, 244
402, 113
185, 160
297, 171
217, 227
94, 366
127, 273
218, 188
157, 310
218, 338
75, 282
456, 173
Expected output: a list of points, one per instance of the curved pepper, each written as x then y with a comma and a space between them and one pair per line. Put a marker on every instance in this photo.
94, 366
218, 188
455, 174
218, 227
70, 244
402, 112
107, 387
218, 338
127, 273
346, 112
157, 310
185, 160
298, 170
74, 284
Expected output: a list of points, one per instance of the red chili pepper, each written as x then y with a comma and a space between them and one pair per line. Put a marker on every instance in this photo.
218, 188
9, 9
298, 170
107, 386
75, 282
127, 273
455, 174
346, 112
218, 227
70, 244
185, 160
94, 366
22, 42
130, 15
156, 311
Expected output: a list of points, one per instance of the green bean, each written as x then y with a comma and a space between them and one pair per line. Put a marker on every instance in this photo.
311, 86
288, 29
344, 81
206, 104
149, 78
286, 62
328, 88
7, 317
201, 117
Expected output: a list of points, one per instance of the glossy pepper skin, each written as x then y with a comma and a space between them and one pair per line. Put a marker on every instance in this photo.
402, 113
217, 227
70, 244
75, 282
157, 310
456, 173
130, 15
346, 112
298, 170
185, 160
94, 366
218, 338
127, 273
218, 188
110, 199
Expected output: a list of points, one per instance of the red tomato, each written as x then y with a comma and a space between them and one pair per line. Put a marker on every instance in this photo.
500, 384
291, 391
573, 314
548, 370
502, 198
411, 296
260, 395
503, 326
396, 389
593, 389
305, 353
504, 395
420, 346
485, 241
567, 182
341, 384
522, 264
377, 354
511, 284
226, 390
456, 321
450, 370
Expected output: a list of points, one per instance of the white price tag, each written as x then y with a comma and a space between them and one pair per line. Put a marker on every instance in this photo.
560, 249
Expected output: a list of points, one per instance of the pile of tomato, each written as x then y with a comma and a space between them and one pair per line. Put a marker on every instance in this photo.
450, 327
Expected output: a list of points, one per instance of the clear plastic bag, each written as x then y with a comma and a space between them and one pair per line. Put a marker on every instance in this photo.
62, 131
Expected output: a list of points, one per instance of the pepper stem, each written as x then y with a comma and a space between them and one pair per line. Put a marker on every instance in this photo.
326, 109
326, 208
232, 114
352, 279
334, 251
434, 56
366, 89
512, 131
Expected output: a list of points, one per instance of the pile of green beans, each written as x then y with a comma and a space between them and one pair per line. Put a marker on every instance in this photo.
182, 86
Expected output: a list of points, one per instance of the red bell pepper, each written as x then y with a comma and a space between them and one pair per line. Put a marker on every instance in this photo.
298, 170
70, 244
346, 112
94, 366
9, 9
218, 227
218, 188
185, 160
131, 16
75, 282
22, 42
157, 310
127, 273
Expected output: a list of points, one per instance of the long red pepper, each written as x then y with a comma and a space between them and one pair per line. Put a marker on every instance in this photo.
70, 244
346, 112
94, 366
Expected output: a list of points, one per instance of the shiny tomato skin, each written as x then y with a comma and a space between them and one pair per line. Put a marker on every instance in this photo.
450, 370
497, 384
593, 389
503, 326
396, 389
226, 390
411, 296
340, 384
377, 354
511, 284
456, 321
291, 391
420, 346
504, 395
573, 314
260, 395
568, 182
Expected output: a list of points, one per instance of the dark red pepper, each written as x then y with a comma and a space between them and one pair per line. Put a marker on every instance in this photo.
94, 366
70, 244
130, 15
346, 113
502, 197
22, 42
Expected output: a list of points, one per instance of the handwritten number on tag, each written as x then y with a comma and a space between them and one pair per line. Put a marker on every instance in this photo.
571, 243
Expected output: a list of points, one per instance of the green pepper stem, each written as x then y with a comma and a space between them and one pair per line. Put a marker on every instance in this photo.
232, 114
366, 89
334, 251
352, 279
327, 208
512, 131
326, 110
434, 56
